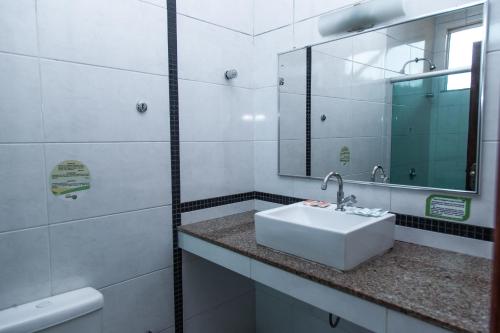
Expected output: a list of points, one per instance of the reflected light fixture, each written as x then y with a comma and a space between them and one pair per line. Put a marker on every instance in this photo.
361, 16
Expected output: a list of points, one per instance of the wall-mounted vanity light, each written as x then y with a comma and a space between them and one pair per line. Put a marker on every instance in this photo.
363, 15
231, 74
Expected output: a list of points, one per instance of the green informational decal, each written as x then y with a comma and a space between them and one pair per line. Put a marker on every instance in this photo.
448, 207
69, 179
345, 155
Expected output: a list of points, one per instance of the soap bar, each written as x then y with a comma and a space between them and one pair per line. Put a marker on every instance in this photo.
316, 203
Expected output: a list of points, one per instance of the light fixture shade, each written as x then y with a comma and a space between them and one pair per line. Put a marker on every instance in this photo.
361, 16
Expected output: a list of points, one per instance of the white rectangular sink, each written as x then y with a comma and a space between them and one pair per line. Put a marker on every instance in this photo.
324, 235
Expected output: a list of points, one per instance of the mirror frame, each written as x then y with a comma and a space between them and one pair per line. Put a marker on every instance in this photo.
480, 106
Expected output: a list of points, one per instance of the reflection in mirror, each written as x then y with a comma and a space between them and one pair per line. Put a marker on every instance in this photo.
398, 105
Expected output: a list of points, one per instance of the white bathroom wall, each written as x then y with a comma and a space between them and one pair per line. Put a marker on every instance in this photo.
278, 312
216, 149
71, 73
277, 30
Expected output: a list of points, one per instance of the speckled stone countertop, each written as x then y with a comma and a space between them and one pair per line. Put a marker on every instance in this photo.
443, 288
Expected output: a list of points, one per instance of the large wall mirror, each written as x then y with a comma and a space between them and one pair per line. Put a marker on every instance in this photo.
396, 106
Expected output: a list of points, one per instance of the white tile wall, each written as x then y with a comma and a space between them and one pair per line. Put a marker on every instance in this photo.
206, 51
492, 97
21, 102
236, 315
266, 113
494, 33
209, 285
216, 134
230, 14
89, 62
87, 103
24, 258
218, 113
22, 196
103, 251
126, 176
113, 33
18, 26
212, 169
269, 15
140, 305
277, 312
216, 212
265, 55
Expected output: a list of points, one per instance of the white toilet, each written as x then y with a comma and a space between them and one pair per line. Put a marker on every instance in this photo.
78, 311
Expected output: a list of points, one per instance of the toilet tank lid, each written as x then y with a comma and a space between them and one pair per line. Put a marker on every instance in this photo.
50, 311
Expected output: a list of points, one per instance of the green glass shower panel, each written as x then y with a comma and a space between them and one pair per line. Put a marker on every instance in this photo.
429, 133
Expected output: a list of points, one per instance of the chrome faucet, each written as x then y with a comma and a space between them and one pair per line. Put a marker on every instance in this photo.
341, 201
374, 173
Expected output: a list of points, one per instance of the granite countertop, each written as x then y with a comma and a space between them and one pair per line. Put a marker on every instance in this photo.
444, 288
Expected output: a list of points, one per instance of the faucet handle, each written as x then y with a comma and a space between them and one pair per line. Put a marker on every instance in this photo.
350, 200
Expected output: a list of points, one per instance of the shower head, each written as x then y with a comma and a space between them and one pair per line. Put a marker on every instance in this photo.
432, 66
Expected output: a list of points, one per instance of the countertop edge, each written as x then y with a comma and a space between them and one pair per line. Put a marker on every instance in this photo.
416, 315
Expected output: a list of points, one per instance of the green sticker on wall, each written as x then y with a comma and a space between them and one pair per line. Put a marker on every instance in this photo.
345, 155
69, 180
448, 207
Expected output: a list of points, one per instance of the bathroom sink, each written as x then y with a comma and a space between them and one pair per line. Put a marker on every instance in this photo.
324, 235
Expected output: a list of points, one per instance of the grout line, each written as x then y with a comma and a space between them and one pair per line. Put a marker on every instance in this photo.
215, 24
3, 233
152, 4
217, 83
138, 210
49, 225
273, 29
44, 153
136, 277
81, 63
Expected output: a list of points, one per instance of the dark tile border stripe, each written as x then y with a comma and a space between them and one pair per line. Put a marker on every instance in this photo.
445, 227
217, 201
308, 110
173, 89
410, 221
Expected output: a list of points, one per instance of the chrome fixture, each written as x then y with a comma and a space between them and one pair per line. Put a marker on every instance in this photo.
412, 173
432, 66
428, 75
141, 107
341, 201
383, 177
231, 74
